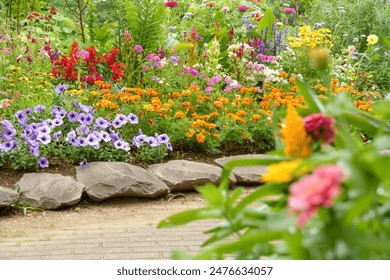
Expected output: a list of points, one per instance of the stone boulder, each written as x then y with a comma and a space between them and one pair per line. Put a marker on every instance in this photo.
7, 197
184, 175
105, 180
49, 191
245, 174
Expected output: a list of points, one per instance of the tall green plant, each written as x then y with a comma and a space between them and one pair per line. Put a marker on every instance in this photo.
146, 19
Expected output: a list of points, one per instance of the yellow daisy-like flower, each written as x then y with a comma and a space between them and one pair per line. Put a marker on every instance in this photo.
372, 39
296, 140
283, 172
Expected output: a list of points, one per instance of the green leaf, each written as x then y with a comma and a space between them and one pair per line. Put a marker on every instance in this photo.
266, 22
294, 243
382, 107
212, 194
248, 241
235, 195
269, 189
311, 98
189, 216
364, 122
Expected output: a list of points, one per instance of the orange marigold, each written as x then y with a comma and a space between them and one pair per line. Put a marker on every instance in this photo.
200, 138
190, 133
175, 94
283, 74
296, 140
180, 114
241, 113
194, 88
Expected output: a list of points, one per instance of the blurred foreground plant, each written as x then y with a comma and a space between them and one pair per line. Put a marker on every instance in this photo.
326, 193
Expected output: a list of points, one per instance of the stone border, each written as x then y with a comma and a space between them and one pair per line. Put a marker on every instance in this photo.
104, 180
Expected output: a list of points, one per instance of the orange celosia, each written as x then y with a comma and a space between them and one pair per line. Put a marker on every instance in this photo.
194, 88
296, 140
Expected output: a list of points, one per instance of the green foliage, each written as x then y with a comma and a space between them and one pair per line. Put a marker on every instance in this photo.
151, 155
145, 19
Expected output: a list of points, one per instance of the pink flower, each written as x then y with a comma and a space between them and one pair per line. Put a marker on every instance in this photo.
243, 8
4, 103
289, 11
208, 90
171, 4
313, 191
320, 127
138, 48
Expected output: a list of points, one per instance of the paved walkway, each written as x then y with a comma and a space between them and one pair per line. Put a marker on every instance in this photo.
130, 236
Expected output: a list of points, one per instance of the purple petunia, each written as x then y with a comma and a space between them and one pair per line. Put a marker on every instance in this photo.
152, 141
133, 119
119, 121
8, 133
92, 140
84, 163
101, 123
44, 138
82, 141
85, 118
57, 136
43, 162
39, 109
73, 116
60, 88
21, 116
162, 138
8, 146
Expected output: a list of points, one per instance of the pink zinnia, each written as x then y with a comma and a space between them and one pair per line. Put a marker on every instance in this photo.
171, 4
320, 127
138, 48
243, 8
289, 11
313, 191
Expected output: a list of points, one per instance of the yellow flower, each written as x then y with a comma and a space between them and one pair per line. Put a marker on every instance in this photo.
283, 172
296, 140
372, 39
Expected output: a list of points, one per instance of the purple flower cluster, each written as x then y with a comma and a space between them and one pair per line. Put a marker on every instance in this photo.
7, 137
85, 130
157, 140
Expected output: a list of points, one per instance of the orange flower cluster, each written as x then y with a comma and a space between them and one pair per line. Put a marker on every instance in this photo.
279, 97
336, 88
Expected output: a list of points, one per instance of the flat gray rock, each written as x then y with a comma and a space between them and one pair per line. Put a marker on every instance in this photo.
247, 174
49, 191
7, 197
105, 180
184, 175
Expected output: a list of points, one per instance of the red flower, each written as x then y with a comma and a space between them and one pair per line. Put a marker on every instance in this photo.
171, 4
320, 127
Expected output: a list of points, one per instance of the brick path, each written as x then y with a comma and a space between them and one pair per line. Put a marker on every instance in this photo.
129, 238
